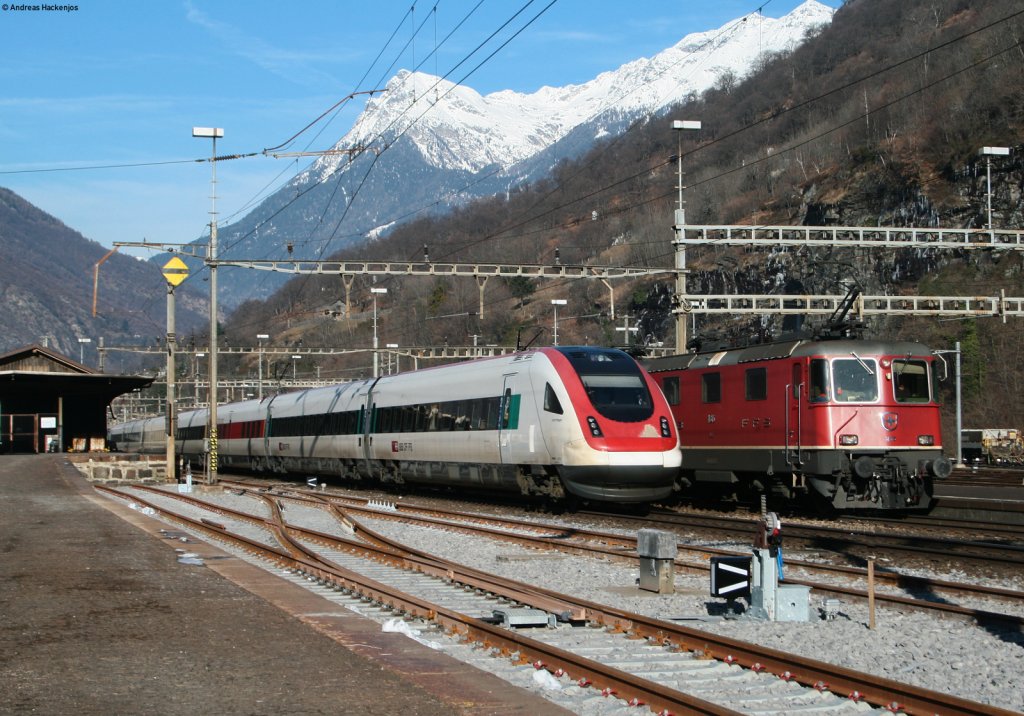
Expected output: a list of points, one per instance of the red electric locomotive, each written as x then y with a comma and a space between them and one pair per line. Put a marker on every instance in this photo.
852, 422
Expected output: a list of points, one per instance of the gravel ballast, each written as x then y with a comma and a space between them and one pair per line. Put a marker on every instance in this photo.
946, 654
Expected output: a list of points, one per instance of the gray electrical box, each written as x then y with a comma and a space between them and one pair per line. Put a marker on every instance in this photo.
792, 603
657, 550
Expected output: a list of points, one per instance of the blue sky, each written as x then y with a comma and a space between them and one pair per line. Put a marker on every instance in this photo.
119, 82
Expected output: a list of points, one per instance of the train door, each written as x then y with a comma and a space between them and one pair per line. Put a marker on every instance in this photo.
259, 445
365, 428
268, 428
795, 415
508, 418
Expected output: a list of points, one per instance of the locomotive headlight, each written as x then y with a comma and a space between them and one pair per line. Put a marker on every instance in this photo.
925, 439
595, 429
849, 440
665, 431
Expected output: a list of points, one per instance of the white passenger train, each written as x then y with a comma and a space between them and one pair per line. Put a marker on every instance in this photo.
557, 422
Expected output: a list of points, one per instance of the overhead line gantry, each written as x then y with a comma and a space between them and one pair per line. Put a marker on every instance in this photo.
865, 237
482, 272
871, 237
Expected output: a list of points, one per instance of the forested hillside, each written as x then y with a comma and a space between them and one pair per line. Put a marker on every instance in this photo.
47, 290
877, 121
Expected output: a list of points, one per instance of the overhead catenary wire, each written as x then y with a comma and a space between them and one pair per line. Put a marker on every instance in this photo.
325, 178
972, 65
383, 132
746, 163
758, 160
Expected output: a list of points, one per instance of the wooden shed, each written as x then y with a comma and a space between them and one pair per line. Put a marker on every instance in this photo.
50, 403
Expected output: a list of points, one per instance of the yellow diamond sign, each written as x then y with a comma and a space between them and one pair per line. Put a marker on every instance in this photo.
175, 271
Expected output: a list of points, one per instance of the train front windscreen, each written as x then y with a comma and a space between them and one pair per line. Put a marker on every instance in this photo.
857, 380
614, 383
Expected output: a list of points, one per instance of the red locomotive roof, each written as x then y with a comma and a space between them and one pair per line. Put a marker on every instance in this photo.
784, 349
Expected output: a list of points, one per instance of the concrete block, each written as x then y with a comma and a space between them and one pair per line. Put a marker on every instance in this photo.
656, 544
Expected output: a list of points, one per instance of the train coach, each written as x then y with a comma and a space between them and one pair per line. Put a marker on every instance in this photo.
850, 423
558, 423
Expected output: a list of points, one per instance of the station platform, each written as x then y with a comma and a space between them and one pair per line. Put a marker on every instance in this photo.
100, 617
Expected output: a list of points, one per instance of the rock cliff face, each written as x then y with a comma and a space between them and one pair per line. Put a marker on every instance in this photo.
817, 270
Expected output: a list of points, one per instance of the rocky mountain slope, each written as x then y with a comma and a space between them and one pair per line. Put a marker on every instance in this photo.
426, 144
46, 290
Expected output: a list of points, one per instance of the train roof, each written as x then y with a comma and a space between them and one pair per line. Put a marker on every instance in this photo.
785, 349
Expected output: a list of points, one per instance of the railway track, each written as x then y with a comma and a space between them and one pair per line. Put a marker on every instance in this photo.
907, 590
673, 660
986, 476
845, 580
847, 539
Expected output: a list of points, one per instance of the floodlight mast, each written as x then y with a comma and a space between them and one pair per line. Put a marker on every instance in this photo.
988, 153
678, 126
376, 345
213, 133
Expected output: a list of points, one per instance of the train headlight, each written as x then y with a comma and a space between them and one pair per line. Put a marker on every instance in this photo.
925, 439
595, 429
666, 432
849, 440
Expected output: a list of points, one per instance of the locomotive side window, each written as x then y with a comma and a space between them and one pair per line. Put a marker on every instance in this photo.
819, 381
711, 387
757, 384
855, 380
551, 402
910, 381
670, 387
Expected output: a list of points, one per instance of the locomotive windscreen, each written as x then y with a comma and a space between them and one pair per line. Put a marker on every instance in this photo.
856, 380
614, 383
910, 381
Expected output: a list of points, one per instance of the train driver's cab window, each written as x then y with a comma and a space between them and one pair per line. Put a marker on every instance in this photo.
910, 381
855, 380
711, 388
614, 383
818, 391
670, 387
551, 402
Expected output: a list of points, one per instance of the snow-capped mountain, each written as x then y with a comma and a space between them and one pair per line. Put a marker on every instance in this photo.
454, 127
426, 144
